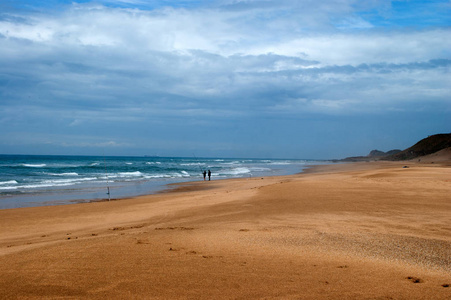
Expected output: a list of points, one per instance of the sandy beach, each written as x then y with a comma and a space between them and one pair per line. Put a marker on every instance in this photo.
374, 230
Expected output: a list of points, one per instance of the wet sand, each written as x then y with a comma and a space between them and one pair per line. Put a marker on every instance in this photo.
347, 231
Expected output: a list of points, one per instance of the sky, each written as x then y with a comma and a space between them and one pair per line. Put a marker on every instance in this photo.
300, 79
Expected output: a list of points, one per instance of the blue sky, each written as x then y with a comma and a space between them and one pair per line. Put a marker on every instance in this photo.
226, 78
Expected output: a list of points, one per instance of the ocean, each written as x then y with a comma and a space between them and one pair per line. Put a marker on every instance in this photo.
31, 180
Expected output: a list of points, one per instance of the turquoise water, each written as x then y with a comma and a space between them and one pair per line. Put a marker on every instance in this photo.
51, 180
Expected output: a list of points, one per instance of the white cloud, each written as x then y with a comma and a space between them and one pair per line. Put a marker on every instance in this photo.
372, 47
226, 33
97, 66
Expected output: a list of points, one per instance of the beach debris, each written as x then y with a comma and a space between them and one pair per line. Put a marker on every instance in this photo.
405, 167
445, 285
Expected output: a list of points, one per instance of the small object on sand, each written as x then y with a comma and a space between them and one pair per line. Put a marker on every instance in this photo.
415, 279
405, 167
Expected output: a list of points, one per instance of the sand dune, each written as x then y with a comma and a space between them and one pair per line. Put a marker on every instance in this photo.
346, 231
443, 156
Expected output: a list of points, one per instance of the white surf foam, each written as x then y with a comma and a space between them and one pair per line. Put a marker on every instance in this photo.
130, 174
49, 183
157, 176
9, 187
33, 165
64, 174
237, 171
231, 163
8, 182
68, 181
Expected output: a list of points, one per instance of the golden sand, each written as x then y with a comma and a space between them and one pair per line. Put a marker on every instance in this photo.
345, 231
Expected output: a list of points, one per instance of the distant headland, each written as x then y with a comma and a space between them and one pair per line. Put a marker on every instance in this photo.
434, 146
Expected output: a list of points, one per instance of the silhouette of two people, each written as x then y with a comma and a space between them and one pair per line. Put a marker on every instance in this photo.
205, 175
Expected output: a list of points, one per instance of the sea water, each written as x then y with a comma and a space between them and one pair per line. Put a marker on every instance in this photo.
51, 180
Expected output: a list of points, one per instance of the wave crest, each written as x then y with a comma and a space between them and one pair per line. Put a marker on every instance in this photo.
33, 165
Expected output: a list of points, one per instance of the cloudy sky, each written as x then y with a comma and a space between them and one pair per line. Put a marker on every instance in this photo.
223, 78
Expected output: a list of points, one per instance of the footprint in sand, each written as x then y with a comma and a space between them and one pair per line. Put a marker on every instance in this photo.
142, 242
118, 228
415, 279
210, 256
174, 228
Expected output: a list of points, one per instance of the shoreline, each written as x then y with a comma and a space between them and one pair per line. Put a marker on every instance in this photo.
196, 185
357, 230
65, 181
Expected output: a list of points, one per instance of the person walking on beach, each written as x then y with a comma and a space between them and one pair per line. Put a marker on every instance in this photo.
205, 174
209, 175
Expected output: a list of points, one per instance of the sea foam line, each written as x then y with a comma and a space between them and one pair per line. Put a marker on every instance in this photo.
236, 171
69, 181
193, 164
33, 165
64, 174
48, 183
8, 182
